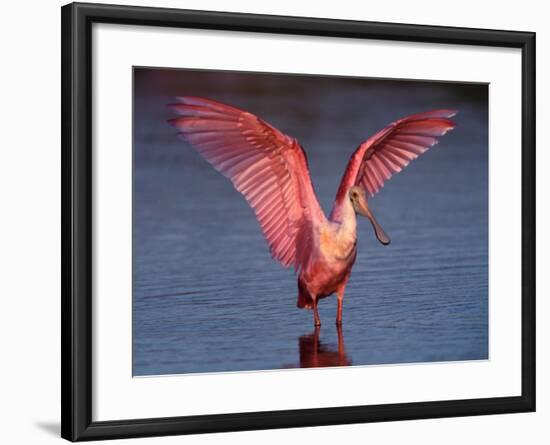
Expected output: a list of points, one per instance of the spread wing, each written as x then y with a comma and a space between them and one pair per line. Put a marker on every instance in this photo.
269, 168
390, 150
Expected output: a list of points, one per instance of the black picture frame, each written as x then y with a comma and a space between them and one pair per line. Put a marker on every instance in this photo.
76, 248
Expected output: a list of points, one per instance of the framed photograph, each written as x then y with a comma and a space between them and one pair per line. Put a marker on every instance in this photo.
278, 222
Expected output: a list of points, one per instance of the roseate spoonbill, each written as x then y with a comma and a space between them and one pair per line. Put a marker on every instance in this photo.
270, 169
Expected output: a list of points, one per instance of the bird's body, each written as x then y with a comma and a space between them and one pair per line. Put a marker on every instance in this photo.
270, 169
329, 260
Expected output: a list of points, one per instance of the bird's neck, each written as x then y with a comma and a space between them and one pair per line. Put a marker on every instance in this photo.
347, 219
342, 205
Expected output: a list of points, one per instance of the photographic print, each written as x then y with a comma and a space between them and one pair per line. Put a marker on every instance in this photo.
294, 221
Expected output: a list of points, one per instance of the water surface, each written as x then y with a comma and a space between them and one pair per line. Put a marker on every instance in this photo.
207, 297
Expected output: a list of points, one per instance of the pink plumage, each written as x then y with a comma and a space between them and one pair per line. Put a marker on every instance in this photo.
390, 150
270, 169
266, 166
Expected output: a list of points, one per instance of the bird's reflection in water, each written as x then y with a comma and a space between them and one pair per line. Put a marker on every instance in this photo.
316, 354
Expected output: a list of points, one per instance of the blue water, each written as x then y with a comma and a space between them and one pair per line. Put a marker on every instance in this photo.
207, 297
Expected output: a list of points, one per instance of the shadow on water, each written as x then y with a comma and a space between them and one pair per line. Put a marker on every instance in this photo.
316, 354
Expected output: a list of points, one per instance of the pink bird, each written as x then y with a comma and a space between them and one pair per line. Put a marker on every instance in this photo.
270, 169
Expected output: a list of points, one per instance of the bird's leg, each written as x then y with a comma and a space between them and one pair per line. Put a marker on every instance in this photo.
341, 347
316, 318
340, 297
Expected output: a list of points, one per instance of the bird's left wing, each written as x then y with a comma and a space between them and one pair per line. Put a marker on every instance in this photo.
268, 167
392, 149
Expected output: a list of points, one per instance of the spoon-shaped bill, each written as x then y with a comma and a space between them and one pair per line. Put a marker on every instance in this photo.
363, 209
380, 234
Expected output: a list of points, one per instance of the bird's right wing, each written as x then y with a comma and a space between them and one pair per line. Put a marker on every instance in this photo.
269, 168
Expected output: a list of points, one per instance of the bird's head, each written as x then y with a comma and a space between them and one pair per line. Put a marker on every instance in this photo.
358, 199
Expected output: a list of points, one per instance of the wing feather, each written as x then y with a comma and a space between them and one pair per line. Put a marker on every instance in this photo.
268, 167
390, 150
